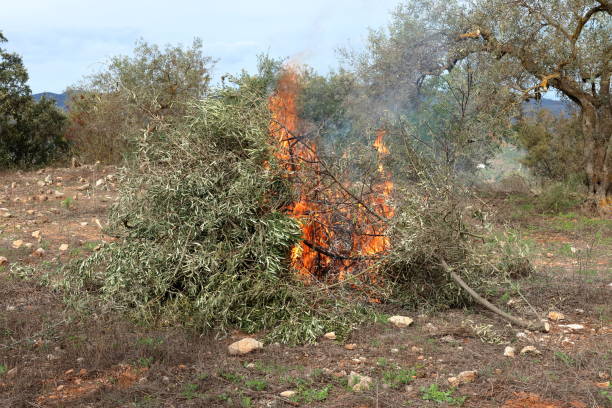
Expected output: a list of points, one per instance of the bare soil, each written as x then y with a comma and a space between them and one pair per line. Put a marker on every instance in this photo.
53, 356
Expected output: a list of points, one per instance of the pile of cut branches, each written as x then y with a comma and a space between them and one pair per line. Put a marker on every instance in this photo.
202, 236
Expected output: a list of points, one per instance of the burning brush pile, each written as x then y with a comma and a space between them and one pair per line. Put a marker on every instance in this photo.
232, 219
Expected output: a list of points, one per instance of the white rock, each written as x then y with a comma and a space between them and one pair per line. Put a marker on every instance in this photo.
464, 377
330, 336
287, 394
358, 382
530, 350
36, 234
17, 244
63, 247
572, 327
400, 321
84, 187
509, 351
521, 335
244, 346
99, 182
39, 253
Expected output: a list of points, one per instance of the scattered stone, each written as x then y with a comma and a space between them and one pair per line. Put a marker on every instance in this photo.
42, 197
36, 234
358, 382
556, 316
250, 365
530, 350
464, 377
40, 183
6, 213
521, 335
244, 346
83, 187
572, 327
58, 194
416, 349
17, 244
30, 212
84, 223
165, 379
401, 321
287, 394
63, 247
3, 260
603, 384
330, 336
394, 350
80, 360
13, 185
12, 372
28, 245
351, 346
39, 253
509, 351
100, 182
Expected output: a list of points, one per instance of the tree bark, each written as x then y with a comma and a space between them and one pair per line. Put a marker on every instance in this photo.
597, 130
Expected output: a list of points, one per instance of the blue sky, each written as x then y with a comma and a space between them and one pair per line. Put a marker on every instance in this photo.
63, 40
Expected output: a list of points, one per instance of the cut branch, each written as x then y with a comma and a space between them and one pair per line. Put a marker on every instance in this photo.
532, 325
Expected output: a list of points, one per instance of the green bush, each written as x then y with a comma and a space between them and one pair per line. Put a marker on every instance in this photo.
31, 133
560, 196
554, 145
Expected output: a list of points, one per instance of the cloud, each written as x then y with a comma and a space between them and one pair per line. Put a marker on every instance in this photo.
65, 39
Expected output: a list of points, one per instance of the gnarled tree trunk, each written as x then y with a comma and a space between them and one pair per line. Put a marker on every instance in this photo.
597, 130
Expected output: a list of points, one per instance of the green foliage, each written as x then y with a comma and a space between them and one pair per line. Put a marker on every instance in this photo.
256, 384
554, 145
3, 369
560, 196
31, 133
307, 394
399, 377
190, 391
109, 110
203, 239
434, 393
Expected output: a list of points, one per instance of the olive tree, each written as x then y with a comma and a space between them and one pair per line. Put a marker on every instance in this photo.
560, 44
133, 94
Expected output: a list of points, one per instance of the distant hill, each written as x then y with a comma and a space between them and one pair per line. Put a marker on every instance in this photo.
60, 99
555, 107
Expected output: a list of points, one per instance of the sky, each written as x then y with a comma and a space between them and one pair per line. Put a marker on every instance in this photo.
61, 41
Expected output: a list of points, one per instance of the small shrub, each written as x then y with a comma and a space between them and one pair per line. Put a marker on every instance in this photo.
434, 393
256, 385
397, 378
560, 197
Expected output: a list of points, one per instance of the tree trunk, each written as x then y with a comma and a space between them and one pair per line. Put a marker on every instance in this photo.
597, 130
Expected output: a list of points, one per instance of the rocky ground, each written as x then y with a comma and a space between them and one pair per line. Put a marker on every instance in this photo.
52, 355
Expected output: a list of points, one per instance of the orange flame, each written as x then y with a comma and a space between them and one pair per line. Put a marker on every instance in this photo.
315, 207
